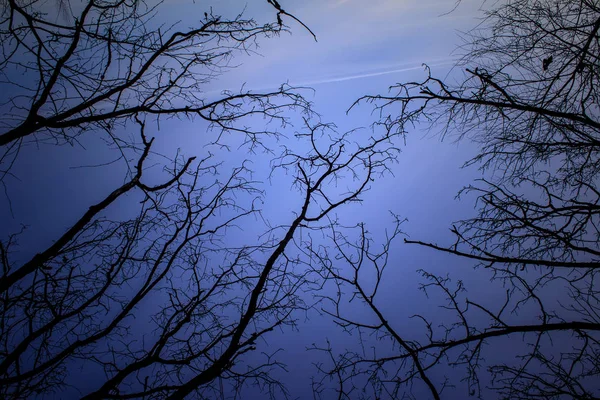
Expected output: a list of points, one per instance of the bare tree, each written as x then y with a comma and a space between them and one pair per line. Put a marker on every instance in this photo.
160, 303
212, 301
110, 64
529, 98
113, 60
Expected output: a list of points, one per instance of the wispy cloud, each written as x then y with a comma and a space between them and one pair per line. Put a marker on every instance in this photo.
339, 3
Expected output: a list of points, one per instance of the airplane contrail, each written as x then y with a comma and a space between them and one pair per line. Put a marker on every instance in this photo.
439, 63
372, 74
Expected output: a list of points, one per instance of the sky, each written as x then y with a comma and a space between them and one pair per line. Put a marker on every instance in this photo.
361, 48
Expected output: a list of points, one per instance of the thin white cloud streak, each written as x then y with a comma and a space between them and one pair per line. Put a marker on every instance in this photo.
372, 74
344, 78
340, 2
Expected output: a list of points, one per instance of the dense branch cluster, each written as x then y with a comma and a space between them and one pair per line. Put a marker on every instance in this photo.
107, 61
199, 303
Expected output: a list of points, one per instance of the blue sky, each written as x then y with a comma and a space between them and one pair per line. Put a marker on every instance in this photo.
355, 39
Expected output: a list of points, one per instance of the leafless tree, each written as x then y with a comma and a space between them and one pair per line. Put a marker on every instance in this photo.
110, 65
113, 60
162, 302
529, 98
84, 301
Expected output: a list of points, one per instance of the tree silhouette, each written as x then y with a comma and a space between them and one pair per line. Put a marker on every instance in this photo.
528, 98
215, 300
112, 61
160, 302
